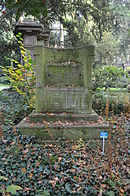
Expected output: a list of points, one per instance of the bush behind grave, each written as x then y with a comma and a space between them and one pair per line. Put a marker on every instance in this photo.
106, 76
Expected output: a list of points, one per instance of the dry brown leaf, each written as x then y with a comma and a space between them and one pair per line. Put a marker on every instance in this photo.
72, 170
53, 182
121, 191
59, 159
103, 186
27, 189
23, 170
30, 175
78, 189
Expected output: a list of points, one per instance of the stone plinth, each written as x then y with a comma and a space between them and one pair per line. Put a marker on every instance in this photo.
63, 95
44, 128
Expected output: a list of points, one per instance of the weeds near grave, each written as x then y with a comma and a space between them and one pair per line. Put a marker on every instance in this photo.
1, 130
109, 153
48, 129
70, 168
17, 138
107, 110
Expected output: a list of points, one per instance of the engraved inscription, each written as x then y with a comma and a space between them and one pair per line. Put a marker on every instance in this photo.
64, 74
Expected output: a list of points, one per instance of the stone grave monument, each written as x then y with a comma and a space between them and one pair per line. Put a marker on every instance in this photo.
63, 95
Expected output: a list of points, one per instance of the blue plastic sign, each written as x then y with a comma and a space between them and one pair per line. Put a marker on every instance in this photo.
103, 134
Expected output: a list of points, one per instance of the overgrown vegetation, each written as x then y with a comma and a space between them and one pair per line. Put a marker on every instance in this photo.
107, 76
21, 75
13, 106
32, 167
118, 101
10, 188
76, 168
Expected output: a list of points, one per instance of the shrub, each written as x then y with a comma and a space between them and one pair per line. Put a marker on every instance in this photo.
106, 77
21, 76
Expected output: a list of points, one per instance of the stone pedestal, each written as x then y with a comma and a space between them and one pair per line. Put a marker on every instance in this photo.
43, 38
31, 31
63, 95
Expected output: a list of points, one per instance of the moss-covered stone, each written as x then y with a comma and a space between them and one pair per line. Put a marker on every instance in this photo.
64, 79
54, 132
54, 117
63, 96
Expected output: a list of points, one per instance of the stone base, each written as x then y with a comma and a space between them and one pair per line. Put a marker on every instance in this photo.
52, 126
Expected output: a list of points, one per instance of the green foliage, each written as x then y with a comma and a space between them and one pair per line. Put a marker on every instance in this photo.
107, 48
110, 193
13, 188
10, 188
77, 171
76, 168
85, 22
118, 100
21, 76
3, 178
32, 7
107, 76
8, 41
13, 106
80, 18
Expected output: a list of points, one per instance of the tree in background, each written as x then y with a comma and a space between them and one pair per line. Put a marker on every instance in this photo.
106, 49
8, 43
87, 21
121, 28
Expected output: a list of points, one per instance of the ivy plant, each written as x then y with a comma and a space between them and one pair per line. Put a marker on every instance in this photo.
10, 188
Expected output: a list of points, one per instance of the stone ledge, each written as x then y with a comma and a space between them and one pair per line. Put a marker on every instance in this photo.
52, 116
50, 131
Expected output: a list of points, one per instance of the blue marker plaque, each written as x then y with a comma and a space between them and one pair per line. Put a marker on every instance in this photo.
103, 135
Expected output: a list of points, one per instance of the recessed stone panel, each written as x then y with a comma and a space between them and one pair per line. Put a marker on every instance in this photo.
64, 74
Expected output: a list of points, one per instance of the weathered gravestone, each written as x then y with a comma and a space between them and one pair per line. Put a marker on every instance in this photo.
63, 95
64, 80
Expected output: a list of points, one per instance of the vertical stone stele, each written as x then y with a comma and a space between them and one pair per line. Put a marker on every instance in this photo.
63, 95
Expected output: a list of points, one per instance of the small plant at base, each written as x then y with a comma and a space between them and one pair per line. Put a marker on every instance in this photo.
1, 130
21, 76
107, 110
110, 152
